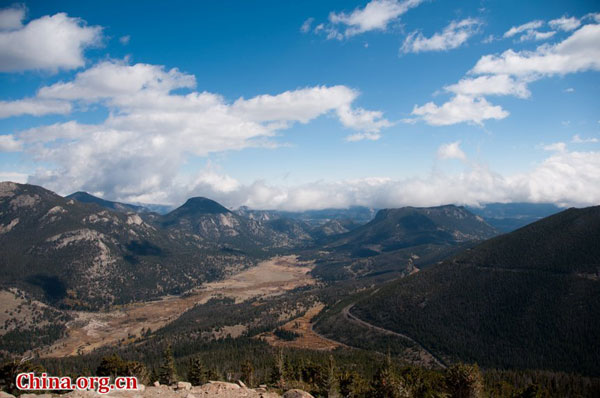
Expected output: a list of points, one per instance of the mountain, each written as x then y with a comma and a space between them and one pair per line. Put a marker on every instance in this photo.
507, 217
315, 218
398, 241
211, 224
82, 255
85, 197
393, 229
527, 299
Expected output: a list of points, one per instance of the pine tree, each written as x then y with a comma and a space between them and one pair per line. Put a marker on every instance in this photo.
248, 373
167, 373
386, 383
197, 374
463, 381
332, 382
277, 376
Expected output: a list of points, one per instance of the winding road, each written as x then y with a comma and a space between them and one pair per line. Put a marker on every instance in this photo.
353, 318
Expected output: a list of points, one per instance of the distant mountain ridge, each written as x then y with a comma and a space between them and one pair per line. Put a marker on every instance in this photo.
508, 217
411, 226
85, 197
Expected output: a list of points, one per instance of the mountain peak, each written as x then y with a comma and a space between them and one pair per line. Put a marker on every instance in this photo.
201, 205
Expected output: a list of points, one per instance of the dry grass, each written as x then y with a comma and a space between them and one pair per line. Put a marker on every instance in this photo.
302, 326
91, 330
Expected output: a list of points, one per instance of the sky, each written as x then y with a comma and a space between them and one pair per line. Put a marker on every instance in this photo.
305, 104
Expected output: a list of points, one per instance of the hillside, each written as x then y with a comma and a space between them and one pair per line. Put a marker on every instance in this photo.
528, 299
79, 255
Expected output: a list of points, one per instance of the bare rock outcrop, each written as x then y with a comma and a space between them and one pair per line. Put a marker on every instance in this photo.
219, 389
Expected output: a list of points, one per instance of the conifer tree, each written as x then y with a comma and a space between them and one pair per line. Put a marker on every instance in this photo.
332, 382
167, 373
197, 374
463, 381
248, 373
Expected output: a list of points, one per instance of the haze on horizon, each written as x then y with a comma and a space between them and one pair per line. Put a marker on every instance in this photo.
304, 105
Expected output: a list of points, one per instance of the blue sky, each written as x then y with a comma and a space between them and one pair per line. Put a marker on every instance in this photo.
304, 104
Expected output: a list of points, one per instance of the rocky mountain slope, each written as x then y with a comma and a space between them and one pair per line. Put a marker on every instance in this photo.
79, 255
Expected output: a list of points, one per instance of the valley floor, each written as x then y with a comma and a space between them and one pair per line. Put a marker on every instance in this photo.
91, 330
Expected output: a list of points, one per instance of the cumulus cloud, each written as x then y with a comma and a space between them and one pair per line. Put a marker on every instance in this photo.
555, 147
523, 28
451, 151
564, 23
12, 18
459, 109
151, 131
20, 178
33, 106
577, 53
578, 140
8, 143
509, 74
567, 178
490, 85
454, 35
537, 35
47, 43
363, 136
376, 15
124, 40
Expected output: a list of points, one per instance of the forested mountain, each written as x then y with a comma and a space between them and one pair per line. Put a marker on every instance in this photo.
412, 226
528, 299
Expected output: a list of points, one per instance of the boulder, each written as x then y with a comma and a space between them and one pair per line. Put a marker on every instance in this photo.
297, 394
183, 385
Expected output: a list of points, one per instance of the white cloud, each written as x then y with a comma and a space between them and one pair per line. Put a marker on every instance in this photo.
33, 106
8, 143
537, 35
568, 178
370, 122
578, 140
577, 53
454, 35
306, 25
363, 136
20, 178
376, 15
459, 109
490, 85
569, 90
555, 147
12, 18
522, 28
120, 81
124, 40
564, 23
509, 74
151, 132
47, 43
451, 151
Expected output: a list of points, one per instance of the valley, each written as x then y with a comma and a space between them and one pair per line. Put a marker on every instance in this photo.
91, 330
